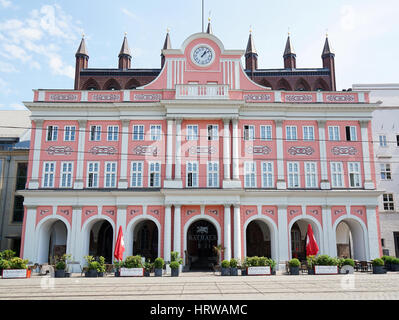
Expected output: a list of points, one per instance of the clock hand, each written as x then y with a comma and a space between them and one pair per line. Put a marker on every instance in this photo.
206, 51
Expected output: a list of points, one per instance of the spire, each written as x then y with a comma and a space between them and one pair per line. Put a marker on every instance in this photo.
328, 58
124, 55
288, 47
250, 44
125, 47
82, 48
289, 55
82, 61
251, 56
327, 48
167, 44
209, 29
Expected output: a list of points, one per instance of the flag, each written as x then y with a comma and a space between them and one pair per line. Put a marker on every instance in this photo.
311, 245
119, 246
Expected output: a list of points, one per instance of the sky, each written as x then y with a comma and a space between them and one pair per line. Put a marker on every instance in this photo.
39, 38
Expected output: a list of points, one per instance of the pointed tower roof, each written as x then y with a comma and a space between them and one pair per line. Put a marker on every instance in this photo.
209, 29
289, 50
82, 47
250, 45
327, 48
125, 47
167, 44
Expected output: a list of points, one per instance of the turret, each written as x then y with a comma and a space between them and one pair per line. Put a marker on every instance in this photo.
167, 45
289, 55
329, 62
124, 55
82, 61
251, 56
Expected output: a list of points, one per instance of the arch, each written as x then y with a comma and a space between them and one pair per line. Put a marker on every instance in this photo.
266, 83
283, 84
112, 84
302, 85
91, 84
132, 84
272, 230
320, 85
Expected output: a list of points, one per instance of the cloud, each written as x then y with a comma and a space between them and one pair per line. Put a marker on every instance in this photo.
7, 67
59, 68
131, 14
5, 3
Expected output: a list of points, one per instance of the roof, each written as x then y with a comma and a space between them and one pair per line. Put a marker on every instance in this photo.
82, 48
289, 50
125, 48
250, 45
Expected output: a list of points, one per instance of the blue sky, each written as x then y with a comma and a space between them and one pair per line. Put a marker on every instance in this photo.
39, 38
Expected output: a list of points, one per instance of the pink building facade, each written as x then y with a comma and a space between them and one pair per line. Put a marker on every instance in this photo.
201, 156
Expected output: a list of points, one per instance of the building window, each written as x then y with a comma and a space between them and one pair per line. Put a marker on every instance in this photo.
154, 175
192, 132
383, 140
110, 175
95, 133
354, 174
308, 133
138, 132
192, 174
311, 174
213, 132
18, 212
291, 133
387, 200
1, 173
48, 174
213, 174
350, 133
112, 133
52, 133
337, 175
92, 174
250, 174
66, 174
293, 175
249, 132
333, 133
22, 173
266, 133
397, 140
267, 175
155, 132
137, 174
69, 133
385, 171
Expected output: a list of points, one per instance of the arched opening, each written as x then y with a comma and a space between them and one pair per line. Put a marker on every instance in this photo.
112, 84
145, 240
100, 243
132, 84
53, 241
202, 236
320, 85
298, 238
283, 84
350, 240
258, 238
302, 85
91, 84
266, 83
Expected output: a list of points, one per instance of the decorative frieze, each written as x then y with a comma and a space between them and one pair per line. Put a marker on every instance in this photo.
145, 150
344, 151
202, 150
340, 98
300, 151
59, 150
298, 97
258, 150
258, 97
147, 97
105, 97
103, 150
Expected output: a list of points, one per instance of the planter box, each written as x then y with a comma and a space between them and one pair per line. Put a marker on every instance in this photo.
91, 274
146, 273
59, 274
233, 271
379, 270
310, 271
259, 271
132, 272
225, 271
100, 274
158, 272
16, 273
294, 271
325, 269
395, 267
243, 272
175, 272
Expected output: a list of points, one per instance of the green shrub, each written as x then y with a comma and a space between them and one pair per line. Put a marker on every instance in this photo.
101, 264
118, 264
225, 264
395, 261
245, 263
159, 263
262, 261
348, 262
174, 256
253, 261
133, 262
60, 265
148, 266
7, 254
311, 261
326, 260
18, 263
174, 265
91, 263
4, 264
233, 263
294, 262
378, 262
271, 263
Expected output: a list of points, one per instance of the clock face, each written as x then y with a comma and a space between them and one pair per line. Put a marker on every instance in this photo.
202, 55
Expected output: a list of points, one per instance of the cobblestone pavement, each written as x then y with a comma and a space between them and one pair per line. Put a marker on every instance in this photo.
205, 286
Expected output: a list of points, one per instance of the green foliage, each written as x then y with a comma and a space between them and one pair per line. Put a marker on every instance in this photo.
101, 264
294, 262
148, 266
233, 263
326, 260
395, 261
271, 263
378, 262
174, 256
262, 261
4, 264
91, 263
60, 265
118, 264
348, 262
225, 264
18, 263
61, 262
311, 261
7, 254
387, 259
133, 262
174, 265
245, 263
159, 263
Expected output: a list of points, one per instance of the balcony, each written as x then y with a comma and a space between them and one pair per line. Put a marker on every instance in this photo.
202, 91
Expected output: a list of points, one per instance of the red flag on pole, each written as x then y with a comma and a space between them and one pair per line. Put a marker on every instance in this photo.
311, 245
119, 246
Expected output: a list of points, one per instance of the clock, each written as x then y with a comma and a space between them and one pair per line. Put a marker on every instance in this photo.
202, 55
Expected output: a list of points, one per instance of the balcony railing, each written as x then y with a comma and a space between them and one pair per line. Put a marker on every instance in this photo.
202, 91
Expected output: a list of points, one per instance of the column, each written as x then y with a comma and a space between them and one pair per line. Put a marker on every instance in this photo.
227, 232
34, 180
283, 238
373, 240
30, 250
325, 183
281, 183
80, 157
329, 243
368, 183
120, 222
167, 233
123, 181
226, 149
237, 232
178, 155
76, 243
169, 150
177, 230
236, 173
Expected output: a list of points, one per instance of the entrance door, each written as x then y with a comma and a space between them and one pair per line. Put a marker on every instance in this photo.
396, 239
201, 238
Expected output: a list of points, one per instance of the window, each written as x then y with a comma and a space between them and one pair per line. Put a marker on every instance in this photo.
333, 133
266, 133
155, 131
351, 133
1, 173
213, 174
249, 132
192, 132
397, 140
293, 175
354, 174
337, 175
18, 212
22, 173
69, 133
112, 133
154, 174
385, 171
308, 133
92, 174
52, 133
110, 175
137, 174
291, 133
66, 174
95, 133
48, 174
250, 174
311, 174
383, 140
267, 175
387, 200
192, 174
138, 132
213, 132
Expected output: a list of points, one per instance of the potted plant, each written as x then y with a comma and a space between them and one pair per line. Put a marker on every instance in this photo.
310, 262
148, 266
101, 266
244, 266
60, 267
225, 270
92, 267
233, 267
325, 264
219, 250
388, 262
294, 266
132, 267
378, 266
177, 261
272, 265
117, 267
13, 267
347, 266
258, 266
158, 266
395, 264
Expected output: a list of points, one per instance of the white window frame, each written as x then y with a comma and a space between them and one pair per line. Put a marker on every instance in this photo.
154, 173
95, 135
389, 202
212, 174
110, 174
308, 133
337, 176
136, 174
310, 169
385, 171
266, 132
213, 132
192, 132
66, 174
293, 174
113, 133
49, 175
155, 132
93, 176
357, 176
138, 132
69, 133
52, 134
267, 174
193, 169
291, 133
383, 140
333, 133
249, 132
250, 174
